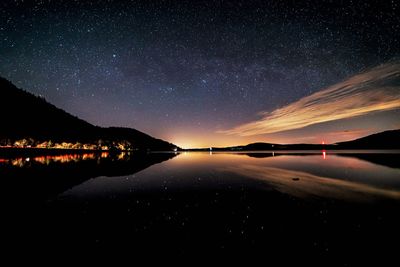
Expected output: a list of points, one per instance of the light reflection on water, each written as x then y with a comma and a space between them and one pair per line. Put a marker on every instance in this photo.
321, 174
48, 159
326, 174
298, 202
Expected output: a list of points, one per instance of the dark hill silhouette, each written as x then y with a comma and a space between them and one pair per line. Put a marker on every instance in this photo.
384, 140
26, 116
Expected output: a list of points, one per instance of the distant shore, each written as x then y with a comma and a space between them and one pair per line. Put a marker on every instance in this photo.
33, 151
288, 148
10, 152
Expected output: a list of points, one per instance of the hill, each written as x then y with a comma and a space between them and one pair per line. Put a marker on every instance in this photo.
384, 140
30, 121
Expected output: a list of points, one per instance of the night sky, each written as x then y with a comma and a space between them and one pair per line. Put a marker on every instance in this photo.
211, 73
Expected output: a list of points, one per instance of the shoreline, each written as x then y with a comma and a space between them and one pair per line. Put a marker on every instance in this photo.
9, 152
33, 151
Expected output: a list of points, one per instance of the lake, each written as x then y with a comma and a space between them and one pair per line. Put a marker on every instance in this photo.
338, 205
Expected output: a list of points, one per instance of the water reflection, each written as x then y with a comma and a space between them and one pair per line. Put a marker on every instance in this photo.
300, 174
49, 159
42, 176
384, 157
302, 184
305, 203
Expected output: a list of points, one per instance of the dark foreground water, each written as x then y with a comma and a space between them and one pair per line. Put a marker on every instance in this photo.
313, 207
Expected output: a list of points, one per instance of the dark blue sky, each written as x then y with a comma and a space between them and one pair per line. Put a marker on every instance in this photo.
184, 70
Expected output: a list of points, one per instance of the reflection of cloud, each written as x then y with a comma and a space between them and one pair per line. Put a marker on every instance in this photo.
375, 90
302, 184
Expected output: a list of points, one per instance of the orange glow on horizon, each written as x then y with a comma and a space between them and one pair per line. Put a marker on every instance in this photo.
217, 140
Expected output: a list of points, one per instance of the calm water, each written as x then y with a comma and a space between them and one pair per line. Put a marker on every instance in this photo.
336, 205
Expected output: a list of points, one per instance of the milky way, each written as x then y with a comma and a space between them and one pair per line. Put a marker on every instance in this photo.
185, 70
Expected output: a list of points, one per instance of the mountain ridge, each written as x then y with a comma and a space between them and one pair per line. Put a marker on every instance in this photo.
389, 139
32, 121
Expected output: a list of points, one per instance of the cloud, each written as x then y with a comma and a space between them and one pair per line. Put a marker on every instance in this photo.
375, 90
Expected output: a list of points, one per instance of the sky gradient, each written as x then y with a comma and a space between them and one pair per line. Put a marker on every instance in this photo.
211, 73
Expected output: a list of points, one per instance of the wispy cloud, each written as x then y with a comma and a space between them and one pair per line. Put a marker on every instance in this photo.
375, 90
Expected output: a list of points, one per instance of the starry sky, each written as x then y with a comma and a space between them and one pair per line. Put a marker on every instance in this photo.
210, 73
